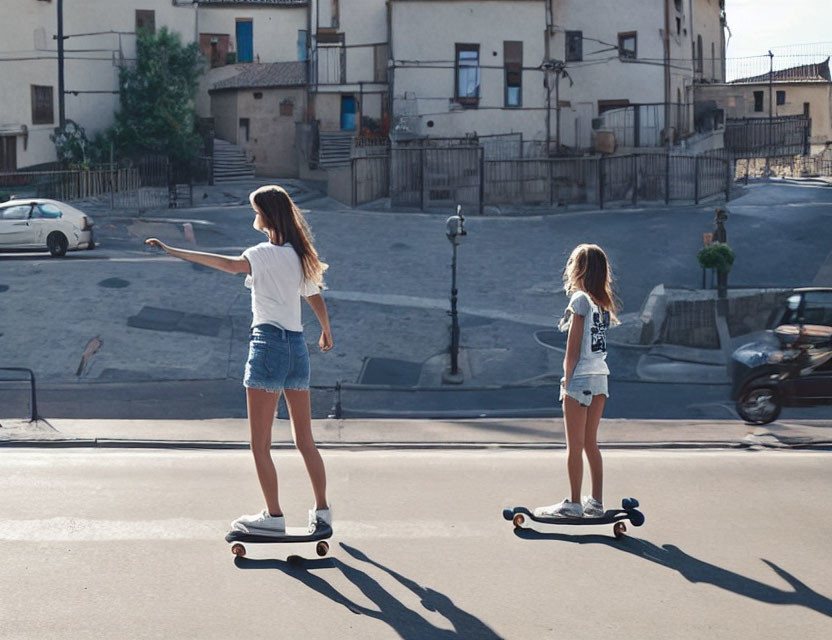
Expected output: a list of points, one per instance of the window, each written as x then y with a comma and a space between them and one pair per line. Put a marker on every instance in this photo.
287, 107
627, 45
20, 212
467, 87
513, 63
806, 109
678, 26
214, 46
146, 20
303, 43
43, 111
781, 97
8, 153
574, 46
699, 61
713, 61
381, 53
46, 211
758, 101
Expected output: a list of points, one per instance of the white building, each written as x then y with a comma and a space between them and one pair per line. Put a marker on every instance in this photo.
553, 70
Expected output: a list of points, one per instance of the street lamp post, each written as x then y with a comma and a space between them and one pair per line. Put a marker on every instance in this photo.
455, 230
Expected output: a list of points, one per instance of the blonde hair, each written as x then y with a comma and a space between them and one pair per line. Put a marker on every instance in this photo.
282, 215
588, 269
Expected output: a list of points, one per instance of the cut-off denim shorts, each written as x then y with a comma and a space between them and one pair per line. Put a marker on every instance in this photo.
277, 359
584, 388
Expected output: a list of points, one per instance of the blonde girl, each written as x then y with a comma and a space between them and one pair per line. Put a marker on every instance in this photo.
587, 281
279, 271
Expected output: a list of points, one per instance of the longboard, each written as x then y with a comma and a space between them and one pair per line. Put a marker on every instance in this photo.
521, 516
239, 539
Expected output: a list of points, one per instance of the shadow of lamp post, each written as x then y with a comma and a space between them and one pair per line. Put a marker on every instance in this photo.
455, 230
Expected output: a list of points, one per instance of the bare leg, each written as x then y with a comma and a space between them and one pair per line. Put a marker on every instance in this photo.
593, 453
574, 418
300, 412
261, 410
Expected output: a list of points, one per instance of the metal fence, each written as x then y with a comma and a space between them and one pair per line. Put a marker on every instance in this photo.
768, 137
434, 177
70, 184
789, 167
442, 177
370, 178
149, 182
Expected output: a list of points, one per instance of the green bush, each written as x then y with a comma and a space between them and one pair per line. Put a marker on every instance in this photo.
717, 256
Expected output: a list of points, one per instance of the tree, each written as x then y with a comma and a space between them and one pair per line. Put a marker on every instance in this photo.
158, 98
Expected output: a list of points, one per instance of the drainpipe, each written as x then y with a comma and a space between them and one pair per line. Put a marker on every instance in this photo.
667, 73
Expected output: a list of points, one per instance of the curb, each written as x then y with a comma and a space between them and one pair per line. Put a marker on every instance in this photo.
108, 443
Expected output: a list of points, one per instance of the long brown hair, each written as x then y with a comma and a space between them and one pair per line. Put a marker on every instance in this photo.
282, 215
589, 270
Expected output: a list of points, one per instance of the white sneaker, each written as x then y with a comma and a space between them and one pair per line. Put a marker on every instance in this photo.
320, 515
262, 523
593, 508
564, 509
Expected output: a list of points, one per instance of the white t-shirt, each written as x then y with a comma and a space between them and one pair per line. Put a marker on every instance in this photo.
276, 284
593, 358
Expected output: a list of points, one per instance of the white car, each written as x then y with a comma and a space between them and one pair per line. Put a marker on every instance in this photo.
35, 224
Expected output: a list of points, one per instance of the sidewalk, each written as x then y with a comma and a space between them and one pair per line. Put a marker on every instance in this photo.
509, 433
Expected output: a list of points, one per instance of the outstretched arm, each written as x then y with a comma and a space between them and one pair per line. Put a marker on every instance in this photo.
213, 260
318, 305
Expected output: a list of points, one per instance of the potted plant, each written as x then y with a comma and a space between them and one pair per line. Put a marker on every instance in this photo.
717, 256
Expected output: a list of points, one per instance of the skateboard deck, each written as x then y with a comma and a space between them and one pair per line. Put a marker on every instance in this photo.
239, 539
521, 517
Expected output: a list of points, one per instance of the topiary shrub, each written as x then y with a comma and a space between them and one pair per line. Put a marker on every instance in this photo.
717, 256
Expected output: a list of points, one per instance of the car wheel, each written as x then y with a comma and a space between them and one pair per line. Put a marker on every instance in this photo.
57, 244
759, 405
91, 245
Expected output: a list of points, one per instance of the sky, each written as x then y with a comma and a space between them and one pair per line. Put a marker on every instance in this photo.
758, 25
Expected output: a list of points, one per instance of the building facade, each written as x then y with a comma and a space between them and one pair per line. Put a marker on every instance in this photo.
804, 90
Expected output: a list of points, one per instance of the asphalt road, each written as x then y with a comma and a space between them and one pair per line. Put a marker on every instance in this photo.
112, 544
388, 298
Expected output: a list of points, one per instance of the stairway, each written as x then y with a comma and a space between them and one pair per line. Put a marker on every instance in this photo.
334, 148
230, 163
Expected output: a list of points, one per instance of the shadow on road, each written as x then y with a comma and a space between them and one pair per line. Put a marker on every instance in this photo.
695, 570
403, 620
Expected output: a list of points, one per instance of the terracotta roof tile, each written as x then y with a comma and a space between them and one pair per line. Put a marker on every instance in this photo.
273, 74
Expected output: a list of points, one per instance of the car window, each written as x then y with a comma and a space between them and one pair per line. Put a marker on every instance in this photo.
818, 308
792, 309
20, 212
47, 211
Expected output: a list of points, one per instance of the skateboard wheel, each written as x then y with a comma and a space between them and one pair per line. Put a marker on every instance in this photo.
508, 514
637, 518
238, 549
519, 519
629, 503
618, 529
322, 548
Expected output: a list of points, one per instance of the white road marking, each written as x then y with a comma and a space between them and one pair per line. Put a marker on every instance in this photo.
65, 529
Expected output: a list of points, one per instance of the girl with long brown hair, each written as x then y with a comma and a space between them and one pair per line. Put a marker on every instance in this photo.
587, 280
279, 272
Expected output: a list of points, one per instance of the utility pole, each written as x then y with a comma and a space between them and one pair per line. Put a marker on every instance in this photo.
770, 107
61, 106
558, 68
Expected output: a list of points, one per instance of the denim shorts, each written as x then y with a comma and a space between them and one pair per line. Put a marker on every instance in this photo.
277, 359
585, 388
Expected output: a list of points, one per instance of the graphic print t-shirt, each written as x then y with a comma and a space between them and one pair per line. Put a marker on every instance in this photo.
593, 358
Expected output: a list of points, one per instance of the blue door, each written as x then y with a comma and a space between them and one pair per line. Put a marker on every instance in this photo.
348, 113
245, 41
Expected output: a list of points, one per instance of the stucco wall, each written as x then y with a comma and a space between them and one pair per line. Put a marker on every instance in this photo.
489, 24
271, 143
224, 110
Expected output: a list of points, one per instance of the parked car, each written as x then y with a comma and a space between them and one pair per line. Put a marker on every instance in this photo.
790, 364
35, 224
